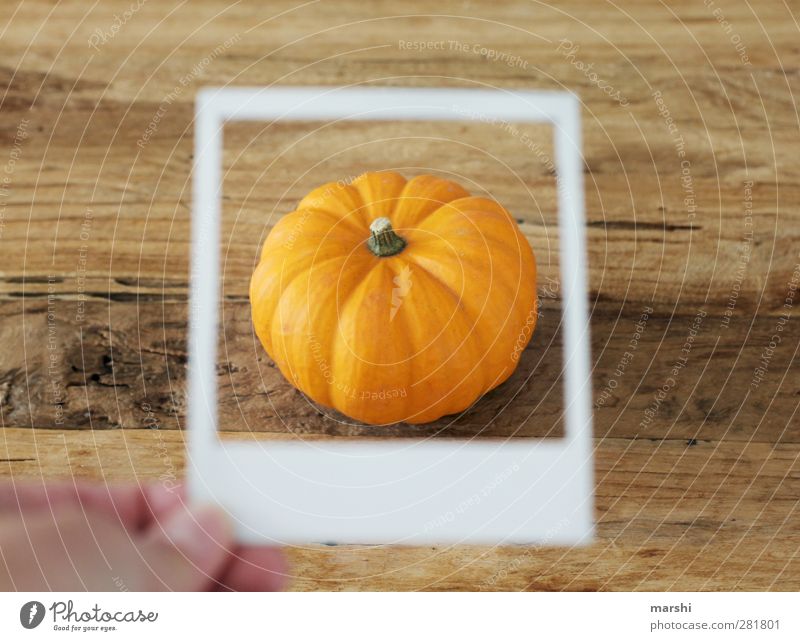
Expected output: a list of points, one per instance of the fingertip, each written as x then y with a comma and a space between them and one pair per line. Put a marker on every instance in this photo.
161, 500
258, 569
190, 548
194, 529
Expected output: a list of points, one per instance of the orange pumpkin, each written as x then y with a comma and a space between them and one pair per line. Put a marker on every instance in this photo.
394, 300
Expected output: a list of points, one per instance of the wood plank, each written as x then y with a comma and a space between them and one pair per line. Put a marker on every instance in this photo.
81, 155
715, 515
642, 244
662, 373
621, 39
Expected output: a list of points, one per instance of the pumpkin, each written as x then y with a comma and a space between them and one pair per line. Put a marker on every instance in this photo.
395, 300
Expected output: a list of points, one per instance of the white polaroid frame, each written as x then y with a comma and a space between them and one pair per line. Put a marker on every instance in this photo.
397, 491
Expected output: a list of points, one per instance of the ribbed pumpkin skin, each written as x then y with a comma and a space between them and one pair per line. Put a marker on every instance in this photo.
409, 337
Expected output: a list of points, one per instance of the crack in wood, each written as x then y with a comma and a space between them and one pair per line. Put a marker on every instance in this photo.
628, 225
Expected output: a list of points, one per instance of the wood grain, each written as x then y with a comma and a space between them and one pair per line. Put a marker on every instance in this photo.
693, 208
670, 515
123, 364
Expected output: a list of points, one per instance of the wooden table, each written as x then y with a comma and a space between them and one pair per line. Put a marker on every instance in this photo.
691, 138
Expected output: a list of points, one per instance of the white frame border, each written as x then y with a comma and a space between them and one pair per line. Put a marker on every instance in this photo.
523, 490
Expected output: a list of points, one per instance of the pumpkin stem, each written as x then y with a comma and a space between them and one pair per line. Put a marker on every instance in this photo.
384, 242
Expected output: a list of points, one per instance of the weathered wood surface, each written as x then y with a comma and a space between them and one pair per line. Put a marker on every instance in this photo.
123, 364
715, 515
697, 483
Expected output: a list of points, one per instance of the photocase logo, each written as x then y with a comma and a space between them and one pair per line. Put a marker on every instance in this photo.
402, 286
69, 619
31, 614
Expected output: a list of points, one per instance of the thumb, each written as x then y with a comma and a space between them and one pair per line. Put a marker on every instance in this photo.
187, 550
